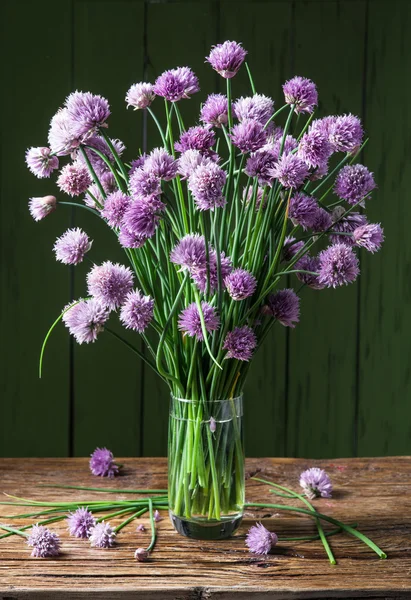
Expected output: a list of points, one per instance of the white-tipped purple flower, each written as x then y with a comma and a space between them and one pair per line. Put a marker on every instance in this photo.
303, 210
115, 207
189, 321
102, 463
249, 135
176, 84
87, 112
240, 284
370, 237
284, 306
290, 171
94, 194
161, 164
197, 138
71, 247
41, 207
315, 482
142, 216
102, 536
130, 239
40, 163
157, 516
338, 266
44, 542
110, 283
140, 95
190, 253
137, 311
144, 183
346, 133
85, 320
74, 179
227, 58
353, 183
141, 554
322, 220
302, 93
314, 148
214, 111
206, 184
309, 263
200, 277
99, 143
261, 164
189, 161
259, 540
346, 224
291, 247
62, 140
240, 343
137, 163
81, 522
257, 107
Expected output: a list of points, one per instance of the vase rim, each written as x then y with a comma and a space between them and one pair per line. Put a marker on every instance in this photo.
191, 401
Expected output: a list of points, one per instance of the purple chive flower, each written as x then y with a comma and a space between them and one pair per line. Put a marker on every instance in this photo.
260, 164
314, 148
189, 161
143, 216
40, 163
157, 516
137, 163
315, 482
62, 140
240, 343
206, 184
338, 266
74, 179
176, 84
309, 263
215, 110
353, 183
227, 58
346, 225
302, 93
240, 284
115, 207
346, 133
322, 220
141, 554
284, 306
248, 196
259, 540
190, 324
369, 236
197, 138
72, 246
161, 164
190, 253
87, 112
213, 424
290, 144
303, 210
102, 536
102, 463
249, 135
41, 207
291, 247
129, 239
85, 320
110, 283
81, 522
258, 107
323, 125
100, 144
140, 95
44, 542
109, 185
200, 277
319, 172
140, 527
290, 171
137, 311
144, 183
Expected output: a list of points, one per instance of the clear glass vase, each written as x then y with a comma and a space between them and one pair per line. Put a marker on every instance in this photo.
206, 467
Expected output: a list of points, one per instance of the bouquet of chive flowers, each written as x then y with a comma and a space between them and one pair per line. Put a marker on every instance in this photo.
211, 222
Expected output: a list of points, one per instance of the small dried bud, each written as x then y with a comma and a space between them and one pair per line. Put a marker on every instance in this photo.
141, 527
337, 213
141, 554
213, 425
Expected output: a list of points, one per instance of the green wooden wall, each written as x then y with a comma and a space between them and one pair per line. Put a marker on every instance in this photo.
337, 385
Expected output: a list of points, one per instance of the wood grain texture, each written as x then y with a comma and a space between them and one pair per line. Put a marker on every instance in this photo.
373, 492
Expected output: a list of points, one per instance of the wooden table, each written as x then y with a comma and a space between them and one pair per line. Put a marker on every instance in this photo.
375, 493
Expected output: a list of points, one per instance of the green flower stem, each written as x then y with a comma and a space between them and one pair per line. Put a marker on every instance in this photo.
203, 328
250, 78
158, 127
117, 513
135, 350
104, 158
304, 129
15, 531
25, 527
114, 152
93, 175
153, 528
78, 205
286, 128
133, 516
312, 538
280, 110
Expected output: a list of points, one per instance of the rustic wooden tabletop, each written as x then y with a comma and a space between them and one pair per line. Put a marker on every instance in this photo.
375, 493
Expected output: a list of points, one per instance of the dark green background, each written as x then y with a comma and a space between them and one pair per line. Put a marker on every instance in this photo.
337, 385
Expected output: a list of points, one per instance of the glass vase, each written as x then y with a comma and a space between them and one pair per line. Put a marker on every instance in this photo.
206, 467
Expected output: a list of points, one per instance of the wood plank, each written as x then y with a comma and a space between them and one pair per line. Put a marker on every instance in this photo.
385, 318
34, 288
322, 356
373, 492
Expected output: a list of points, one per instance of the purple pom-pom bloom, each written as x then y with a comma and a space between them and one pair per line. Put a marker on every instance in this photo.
291, 171
161, 164
141, 554
227, 58
137, 163
200, 277
72, 246
346, 133
206, 184
100, 144
249, 135
258, 107
284, 306
291, 247
315, 482
260, 164
314, 148
40, 162
44, 542
110, 283
130, 239
197, 138
140, 95
322, 220
215, 110
41, 207
137, 311
240, 343
74, 179
309, 263
303, 210
189, 320
259, 540
190, 253
143, 216
85, 320
338, 266
369, 236
189, 161
240, 284
353, 183
102, 536
81, 522
87, 112
61, 139
144, 183
176, 84
115, 207
302, 93
346, 225
109, 185
102, 463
